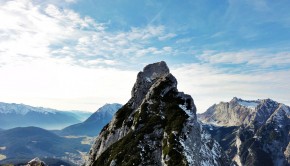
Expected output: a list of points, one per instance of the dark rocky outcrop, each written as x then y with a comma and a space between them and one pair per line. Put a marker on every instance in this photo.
36, 162
158, 126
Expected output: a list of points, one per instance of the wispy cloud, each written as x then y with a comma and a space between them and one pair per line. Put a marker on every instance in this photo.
48, 53
183, 40
134, 43
209, 85
260, 5
167, 36
36, 30
47, 49
261, 58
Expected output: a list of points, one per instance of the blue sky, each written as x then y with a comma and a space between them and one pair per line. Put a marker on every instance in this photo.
80, 54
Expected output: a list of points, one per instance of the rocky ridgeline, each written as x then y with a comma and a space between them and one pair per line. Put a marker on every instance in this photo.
251, 132
158, 126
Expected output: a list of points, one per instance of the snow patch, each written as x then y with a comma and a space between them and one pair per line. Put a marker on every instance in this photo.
249, 104
208, 153
148, 79
187, 152
187, 111
6, 108
237, 158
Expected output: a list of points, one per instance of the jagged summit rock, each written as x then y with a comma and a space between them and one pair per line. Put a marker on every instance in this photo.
158, 126
252, 132
36, 162
240, 112
146, 78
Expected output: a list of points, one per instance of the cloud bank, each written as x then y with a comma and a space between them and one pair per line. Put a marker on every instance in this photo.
53, 56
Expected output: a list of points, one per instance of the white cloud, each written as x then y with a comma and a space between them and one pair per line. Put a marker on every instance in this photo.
55, 57
208, 85
183, 40
167, 36
95, 62
259, 5
51, 56
55, 80
70, 1
167, 49
29, 29
261, 58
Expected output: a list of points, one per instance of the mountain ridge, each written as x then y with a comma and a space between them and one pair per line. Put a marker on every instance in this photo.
93, 124
23, 108
239, 111
252, 132
21, 115
155, 127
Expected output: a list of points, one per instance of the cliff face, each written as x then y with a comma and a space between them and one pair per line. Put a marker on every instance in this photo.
252, 133
158, 126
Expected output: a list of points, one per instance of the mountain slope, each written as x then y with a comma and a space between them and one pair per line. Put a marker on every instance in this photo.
256, 132
157, 126
80, 115
93, 125
20, 115
24, 143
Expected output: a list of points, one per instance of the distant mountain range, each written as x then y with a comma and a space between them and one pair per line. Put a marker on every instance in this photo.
21, 144
20, 115
93, 125
252, 132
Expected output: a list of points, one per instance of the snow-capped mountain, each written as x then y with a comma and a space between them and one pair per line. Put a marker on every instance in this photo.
20, 115
157, 126
252, 132
22, 109
105, 113
93, 125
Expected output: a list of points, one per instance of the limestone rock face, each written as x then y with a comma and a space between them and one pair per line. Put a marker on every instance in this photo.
158, 126
146, 79
251, 132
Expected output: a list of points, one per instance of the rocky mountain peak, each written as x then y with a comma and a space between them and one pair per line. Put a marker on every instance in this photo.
235, 99
252, 132
106, 111
239, 111
146, 78
154, 70
158, 126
